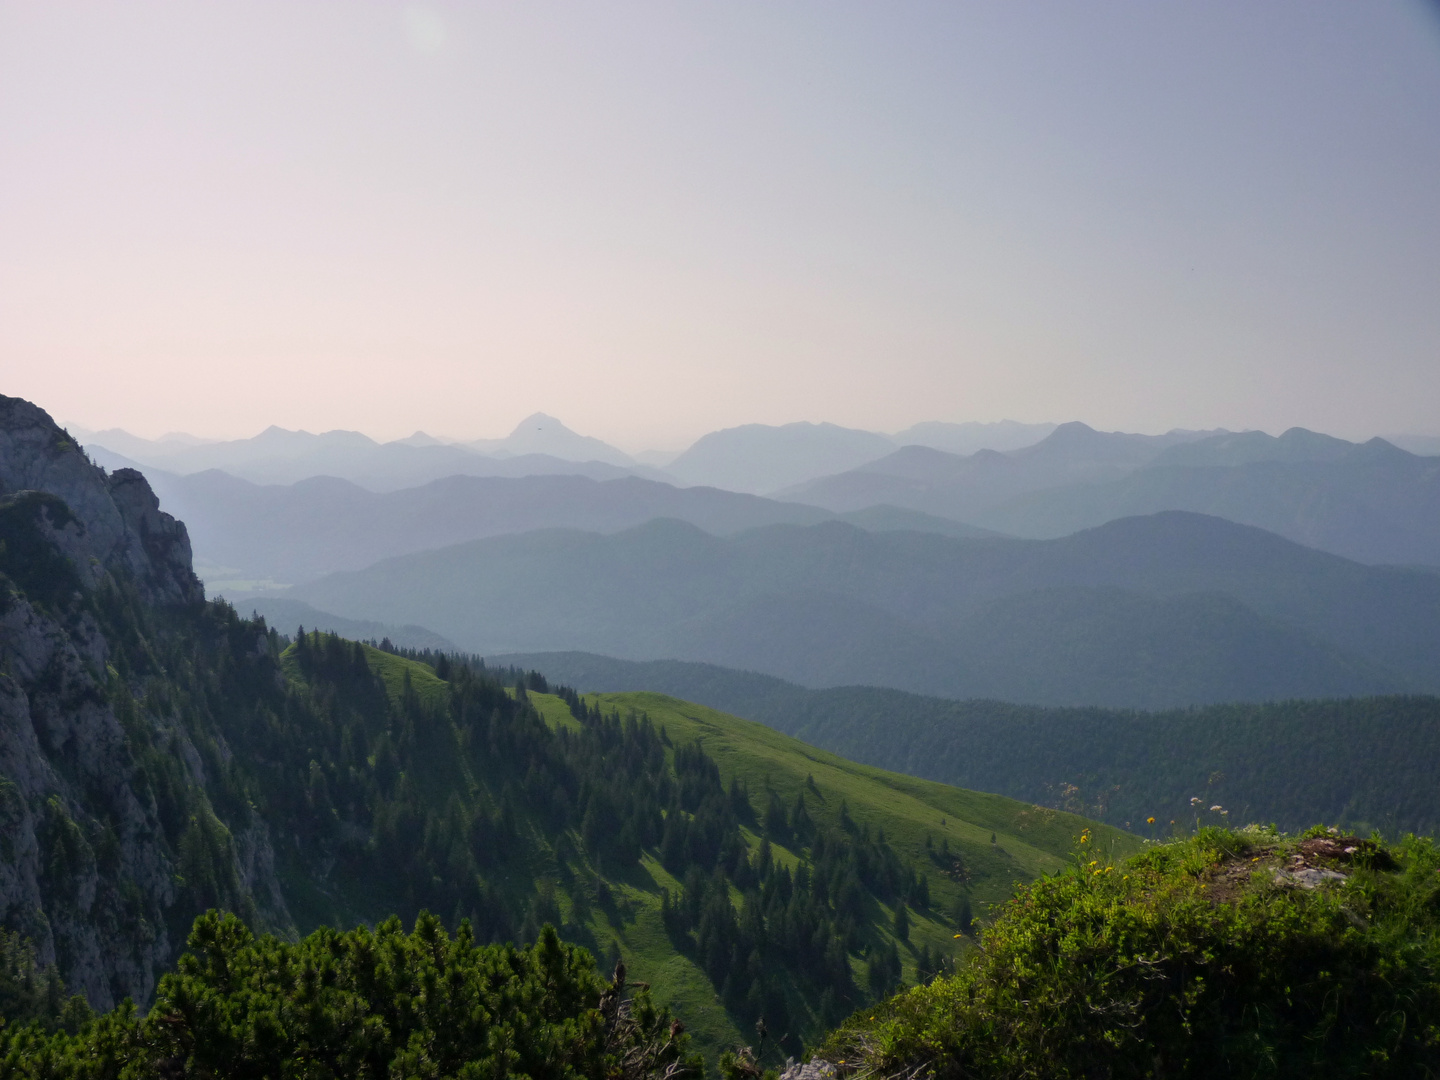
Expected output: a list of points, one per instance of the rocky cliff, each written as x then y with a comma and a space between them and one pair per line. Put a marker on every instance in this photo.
117, 522
108, 837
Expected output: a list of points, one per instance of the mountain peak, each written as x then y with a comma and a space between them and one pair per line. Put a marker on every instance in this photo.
1072, 429
541, 433
1075, 437
539, 422
120, 524
420, 438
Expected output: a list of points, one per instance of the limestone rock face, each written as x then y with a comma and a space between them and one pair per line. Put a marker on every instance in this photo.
120, 523
83, 873
92, 866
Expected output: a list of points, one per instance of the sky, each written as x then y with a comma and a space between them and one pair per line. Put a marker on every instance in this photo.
657, 219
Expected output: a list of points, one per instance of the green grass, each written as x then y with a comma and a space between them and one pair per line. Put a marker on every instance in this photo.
554, 711
1029, 841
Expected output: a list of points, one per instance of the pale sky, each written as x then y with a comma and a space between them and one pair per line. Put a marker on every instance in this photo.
653, 220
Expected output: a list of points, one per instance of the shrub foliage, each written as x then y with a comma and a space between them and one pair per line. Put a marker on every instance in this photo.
368, 1004
1227, 954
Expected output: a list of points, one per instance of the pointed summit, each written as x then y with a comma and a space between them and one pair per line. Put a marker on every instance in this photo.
420, 438
540, 433
540, 422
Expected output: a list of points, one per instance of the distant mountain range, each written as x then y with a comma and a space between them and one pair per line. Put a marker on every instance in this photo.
1169, 609
542, 434
1373, 502
762, 459
759, 458
971, 437
755, 458
961, 486
278, 456
296, 532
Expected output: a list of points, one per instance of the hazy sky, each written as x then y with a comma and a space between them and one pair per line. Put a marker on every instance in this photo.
657, 219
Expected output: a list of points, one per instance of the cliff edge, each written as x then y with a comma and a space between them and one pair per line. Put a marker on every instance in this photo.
109, 841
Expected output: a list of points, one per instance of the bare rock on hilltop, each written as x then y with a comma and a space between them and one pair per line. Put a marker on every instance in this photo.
120, 524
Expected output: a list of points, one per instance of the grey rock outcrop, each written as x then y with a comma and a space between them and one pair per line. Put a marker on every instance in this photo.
83, 873
88, 870
814, 1069
121, 525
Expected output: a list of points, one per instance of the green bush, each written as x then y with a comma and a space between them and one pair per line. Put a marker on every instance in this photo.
367, 1004
1228, 954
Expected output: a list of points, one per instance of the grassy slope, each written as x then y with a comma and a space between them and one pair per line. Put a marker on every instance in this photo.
1029, 841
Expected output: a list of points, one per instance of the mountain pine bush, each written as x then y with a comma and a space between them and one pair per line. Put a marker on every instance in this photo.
1226, 954
367, 1004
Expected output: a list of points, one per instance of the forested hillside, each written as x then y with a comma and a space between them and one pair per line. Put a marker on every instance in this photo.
1363, 762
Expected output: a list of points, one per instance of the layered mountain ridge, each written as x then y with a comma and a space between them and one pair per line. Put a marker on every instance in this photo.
1370, 501
293, 533
1147, 612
